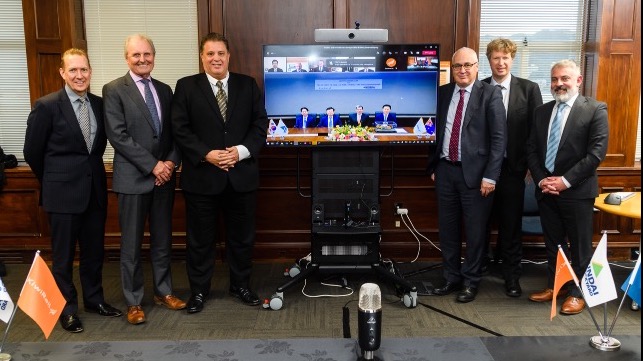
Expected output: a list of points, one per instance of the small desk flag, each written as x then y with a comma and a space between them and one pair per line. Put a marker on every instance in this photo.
282, 129
634, 281
419, 127
564, 274
272, 127
598, 283
6, 304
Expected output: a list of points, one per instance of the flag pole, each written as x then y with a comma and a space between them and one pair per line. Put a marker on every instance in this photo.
618, 311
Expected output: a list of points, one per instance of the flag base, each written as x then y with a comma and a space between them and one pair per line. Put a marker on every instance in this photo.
5, 357
611, 344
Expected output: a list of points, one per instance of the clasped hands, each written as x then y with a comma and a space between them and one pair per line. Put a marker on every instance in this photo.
163, 172
552, 185
224, 159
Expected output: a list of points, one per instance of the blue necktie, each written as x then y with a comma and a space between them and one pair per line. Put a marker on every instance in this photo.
151, 105
554, 138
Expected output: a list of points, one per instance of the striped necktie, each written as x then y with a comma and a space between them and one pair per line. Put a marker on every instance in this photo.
455, 129
554, 137
222, 100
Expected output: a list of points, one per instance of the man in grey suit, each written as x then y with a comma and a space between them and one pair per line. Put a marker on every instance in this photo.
137, 118
471, 140
64, 146
520, 97
568, 141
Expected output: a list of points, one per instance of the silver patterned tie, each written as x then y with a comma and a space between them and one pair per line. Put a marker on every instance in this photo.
83, 121
222, 100
151, 106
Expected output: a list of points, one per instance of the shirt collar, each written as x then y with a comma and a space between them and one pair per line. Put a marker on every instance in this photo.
505, 83
468, 88
72, 94
571, 101
138, 78
214, 81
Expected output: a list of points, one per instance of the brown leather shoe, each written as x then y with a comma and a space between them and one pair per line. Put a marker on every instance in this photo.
546, 295
135, 315
170, 301
572, 306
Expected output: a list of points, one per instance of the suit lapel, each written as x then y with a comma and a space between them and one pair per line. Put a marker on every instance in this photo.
69, 114
131, 89
206, 88
543, 125
233, 94
577, 108
473, 104
514, 93
444, 108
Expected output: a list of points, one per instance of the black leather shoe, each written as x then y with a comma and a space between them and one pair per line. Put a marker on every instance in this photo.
468, 294
512, 289
104, 309
195, 303
447, 288
71, 323
245, 295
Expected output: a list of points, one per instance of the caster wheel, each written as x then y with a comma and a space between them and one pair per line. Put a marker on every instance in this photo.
410, 299
276, 302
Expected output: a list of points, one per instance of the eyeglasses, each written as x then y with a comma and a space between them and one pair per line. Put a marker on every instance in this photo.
466, 66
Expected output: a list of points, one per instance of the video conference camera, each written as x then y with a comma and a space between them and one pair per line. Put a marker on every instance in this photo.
356, 35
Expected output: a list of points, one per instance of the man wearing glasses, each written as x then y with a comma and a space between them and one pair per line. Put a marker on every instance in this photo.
471, 140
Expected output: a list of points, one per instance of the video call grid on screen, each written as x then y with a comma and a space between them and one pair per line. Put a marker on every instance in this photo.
405, 76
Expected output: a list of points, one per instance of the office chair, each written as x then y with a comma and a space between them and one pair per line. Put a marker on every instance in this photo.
530, 215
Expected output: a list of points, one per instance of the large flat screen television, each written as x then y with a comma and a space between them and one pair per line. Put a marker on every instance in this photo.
342, 76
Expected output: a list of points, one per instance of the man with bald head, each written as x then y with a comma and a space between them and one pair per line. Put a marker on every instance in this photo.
471, 140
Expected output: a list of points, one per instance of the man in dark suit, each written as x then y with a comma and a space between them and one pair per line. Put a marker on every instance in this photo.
64, 145
305, 119
385, 116
520, 97
567, 143
359, 118
320, 67
137, 119
470, 144
220, 123
299, 69
275, 67
330, 119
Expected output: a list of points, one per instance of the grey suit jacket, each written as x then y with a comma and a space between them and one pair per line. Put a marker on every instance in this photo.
583, 145
524, 97
129, 128
483, 137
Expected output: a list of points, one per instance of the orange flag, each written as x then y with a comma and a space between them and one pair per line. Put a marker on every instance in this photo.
564, 274
40, 297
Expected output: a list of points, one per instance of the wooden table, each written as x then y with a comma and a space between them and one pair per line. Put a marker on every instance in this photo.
318, 136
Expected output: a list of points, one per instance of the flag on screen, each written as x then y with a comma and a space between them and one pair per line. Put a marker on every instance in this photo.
6, 304
272, 127
282, 129
419, 127
634, 281
597, 283
564, 274
40, 297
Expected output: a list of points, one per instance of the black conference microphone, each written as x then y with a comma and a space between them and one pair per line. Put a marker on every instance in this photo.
369, 319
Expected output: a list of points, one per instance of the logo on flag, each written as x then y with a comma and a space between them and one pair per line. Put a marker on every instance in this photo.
564, 274
281, 128
272, 127
40, 297
419, 127
632, 285
597, 283
6, 304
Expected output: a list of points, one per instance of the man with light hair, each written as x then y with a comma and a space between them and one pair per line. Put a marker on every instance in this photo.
568, 141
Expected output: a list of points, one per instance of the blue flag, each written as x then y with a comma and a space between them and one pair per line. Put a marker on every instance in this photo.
634, 281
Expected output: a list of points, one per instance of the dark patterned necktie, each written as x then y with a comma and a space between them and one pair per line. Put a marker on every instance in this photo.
455, 129
83, 121
151, 105
222, 100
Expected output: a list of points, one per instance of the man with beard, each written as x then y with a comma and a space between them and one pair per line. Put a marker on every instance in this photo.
568, 141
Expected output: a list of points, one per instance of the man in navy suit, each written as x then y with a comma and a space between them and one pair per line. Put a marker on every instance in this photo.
145, 158
568, 141
385, 116
219, 122
299, 69
275, 67
470, 145
359, 118
64, 145
330, 119
520, 97
320, 67
305, 119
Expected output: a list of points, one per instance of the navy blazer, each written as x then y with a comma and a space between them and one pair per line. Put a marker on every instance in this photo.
55, 150
199, 128
483, 134
323, 121
583, 146
130, 130
365, 120
524, 97
379, 117
311, 121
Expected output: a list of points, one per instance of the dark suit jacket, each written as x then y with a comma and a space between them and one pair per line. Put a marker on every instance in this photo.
130, 131
483, 138
323, 120
311, 121
316, 69
583, 145
273, 70
56, 152
366, 119
299, 71
379, 117
199, 128
524, 97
